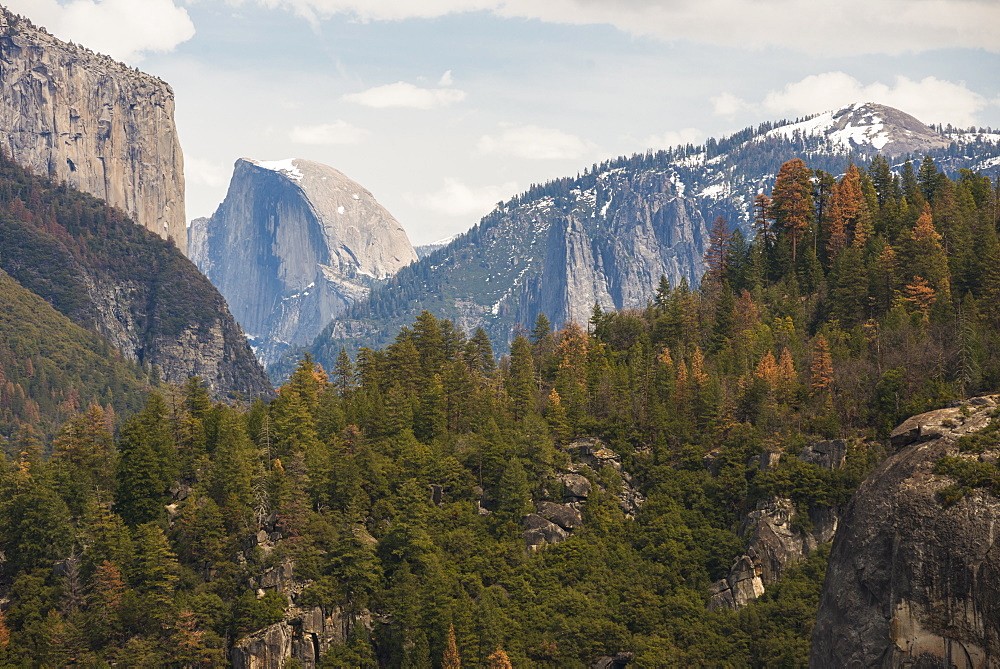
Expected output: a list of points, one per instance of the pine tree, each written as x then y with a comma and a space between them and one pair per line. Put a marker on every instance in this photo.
791, 201
499, 660
718, 249
343, 373
821, 369
927, 177
521, 381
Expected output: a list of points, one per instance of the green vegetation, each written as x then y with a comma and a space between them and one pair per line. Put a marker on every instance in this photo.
50, 369
84, 257
861, 301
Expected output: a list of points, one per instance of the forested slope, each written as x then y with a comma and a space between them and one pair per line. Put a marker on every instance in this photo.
51, 369
117, 279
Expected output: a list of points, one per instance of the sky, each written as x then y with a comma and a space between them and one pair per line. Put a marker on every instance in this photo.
442, 108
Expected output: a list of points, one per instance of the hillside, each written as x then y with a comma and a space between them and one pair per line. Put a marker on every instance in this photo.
608, 235
138, 291
659, 489
50, 368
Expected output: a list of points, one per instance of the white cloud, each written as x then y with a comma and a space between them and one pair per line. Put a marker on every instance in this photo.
123, 29
931, 100
854, 26
534, 143
675, 138
446, 79
727, 104
403, 94
338, 132
458, 199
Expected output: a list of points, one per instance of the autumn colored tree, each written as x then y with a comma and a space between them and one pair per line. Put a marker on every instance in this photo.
791, 201
924, 257
821, 369
451, 659
718, 249
498, 660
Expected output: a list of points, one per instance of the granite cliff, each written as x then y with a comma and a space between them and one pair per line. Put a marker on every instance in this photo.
100, 126
914, 574
293, 244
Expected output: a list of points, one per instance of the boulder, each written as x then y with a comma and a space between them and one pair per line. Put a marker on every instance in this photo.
539, 531
563, 515
576, 487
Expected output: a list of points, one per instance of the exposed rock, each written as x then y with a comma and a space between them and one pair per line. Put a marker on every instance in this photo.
772, 541
539, 531
99, 125
949, 423
592, 452
576, 487
304, 635
826, 454
563, 515
769, 460
618, 661
912, 582
743, 585
772, 546
293, 244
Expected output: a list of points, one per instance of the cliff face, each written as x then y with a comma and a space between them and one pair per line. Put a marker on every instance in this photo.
615, 260
116, 279
293, 244
912, 581
774, 543
103, 128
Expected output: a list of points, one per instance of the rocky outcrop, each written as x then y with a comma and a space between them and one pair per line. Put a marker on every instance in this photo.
774, 538
303, 635
295, 243
96, 124
743, 585
912, 581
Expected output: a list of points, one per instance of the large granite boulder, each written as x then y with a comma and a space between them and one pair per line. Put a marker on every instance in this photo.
913, 581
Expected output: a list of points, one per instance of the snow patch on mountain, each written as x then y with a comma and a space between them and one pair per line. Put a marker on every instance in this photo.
286, 167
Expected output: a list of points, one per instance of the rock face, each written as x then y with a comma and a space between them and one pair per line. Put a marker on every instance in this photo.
100, 126
295, 243
773, 541
912, 582
303, 635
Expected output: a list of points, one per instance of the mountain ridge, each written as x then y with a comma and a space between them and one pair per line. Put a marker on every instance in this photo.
639, 217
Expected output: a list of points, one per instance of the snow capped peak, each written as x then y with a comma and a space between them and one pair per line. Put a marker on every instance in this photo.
286, 167
869, 126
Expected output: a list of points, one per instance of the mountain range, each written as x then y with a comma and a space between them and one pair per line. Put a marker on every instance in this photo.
605, 237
